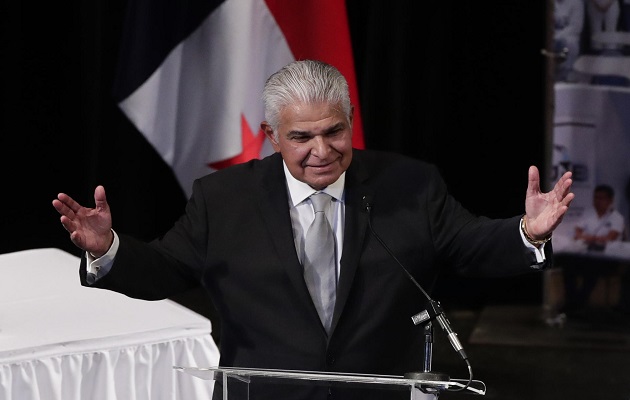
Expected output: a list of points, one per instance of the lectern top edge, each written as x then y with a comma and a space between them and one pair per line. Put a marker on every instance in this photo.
213, 373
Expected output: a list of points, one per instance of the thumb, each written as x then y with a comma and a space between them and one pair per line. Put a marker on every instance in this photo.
100, 199
533, 183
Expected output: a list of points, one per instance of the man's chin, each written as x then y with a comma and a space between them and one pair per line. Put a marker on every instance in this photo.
320, 182
320, 177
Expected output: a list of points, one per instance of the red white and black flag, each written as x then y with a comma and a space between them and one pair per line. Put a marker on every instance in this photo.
191, 73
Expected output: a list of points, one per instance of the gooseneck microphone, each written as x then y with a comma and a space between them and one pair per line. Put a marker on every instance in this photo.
433, 312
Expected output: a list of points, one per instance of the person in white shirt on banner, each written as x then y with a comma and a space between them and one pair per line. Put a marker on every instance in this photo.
599, 226
568, 25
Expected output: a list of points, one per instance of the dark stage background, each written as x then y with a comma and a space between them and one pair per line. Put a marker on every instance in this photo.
459, 84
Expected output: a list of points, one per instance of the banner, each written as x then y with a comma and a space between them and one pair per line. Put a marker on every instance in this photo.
591, 132
191, 73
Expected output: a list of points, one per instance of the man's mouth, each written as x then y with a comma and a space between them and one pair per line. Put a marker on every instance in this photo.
320, 167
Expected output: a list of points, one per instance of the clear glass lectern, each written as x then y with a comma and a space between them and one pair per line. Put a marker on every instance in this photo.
247, 376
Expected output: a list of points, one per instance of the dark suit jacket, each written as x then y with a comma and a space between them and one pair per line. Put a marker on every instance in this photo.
236, 240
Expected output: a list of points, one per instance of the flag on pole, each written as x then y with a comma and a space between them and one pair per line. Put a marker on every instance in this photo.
191, 73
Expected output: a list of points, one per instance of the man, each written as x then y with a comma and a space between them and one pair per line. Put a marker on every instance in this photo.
568, 18
244, 230
599, 226
603, 223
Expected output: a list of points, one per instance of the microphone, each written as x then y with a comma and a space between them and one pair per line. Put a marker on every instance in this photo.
433, 312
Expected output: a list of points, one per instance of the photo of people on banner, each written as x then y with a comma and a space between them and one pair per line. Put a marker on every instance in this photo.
591, 138
591, 42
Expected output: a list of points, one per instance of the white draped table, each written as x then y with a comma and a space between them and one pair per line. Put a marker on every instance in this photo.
62, 341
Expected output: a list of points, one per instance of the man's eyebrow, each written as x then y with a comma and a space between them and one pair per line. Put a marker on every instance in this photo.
335, 127
298, 133
332, 128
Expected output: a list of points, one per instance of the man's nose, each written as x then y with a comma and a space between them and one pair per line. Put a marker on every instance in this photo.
320, 146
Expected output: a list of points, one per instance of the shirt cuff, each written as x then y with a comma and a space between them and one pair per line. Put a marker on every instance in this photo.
99, 267
539, 252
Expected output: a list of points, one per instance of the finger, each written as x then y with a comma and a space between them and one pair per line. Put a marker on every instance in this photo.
62, 208
564, 186
567, 185
77, 239
568, 199
69, 202
566, 177
67, 223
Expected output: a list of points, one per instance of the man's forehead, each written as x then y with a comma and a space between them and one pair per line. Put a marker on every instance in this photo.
308, 108
311, 117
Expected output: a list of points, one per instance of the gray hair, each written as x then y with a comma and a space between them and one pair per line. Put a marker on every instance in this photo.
306, 81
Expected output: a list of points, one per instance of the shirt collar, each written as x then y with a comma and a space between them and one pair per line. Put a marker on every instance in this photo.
300, 191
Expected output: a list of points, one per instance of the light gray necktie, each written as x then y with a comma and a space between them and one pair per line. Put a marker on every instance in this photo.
319, 260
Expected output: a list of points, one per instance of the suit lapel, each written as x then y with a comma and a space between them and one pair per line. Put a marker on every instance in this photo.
274, 206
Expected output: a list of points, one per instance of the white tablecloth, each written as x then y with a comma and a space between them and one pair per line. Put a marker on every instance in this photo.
62, 341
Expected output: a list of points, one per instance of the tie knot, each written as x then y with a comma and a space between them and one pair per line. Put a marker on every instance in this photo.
320, 201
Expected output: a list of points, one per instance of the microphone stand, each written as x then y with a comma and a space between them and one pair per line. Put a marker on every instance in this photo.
428, 347
427, 374
433, 312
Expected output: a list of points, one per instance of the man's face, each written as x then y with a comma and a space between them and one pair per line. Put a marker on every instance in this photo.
601, 202
315, 142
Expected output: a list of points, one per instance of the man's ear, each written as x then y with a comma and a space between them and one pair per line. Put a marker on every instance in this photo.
351, 115
270, 135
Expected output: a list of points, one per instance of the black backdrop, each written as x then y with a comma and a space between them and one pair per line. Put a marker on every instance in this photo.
460, 84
